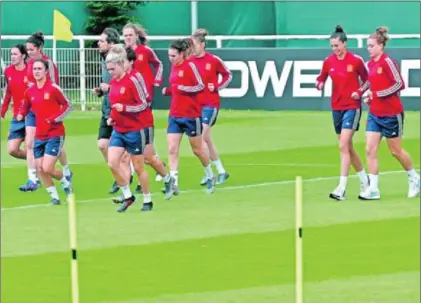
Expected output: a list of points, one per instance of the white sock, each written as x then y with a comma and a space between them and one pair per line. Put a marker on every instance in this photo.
209, 172
147, 198
66, 170
374, 181
127, 193
167, 178
412, 174
52, 190
219, 167
131, 168
363, 176
64, 182
32, 175
174, 174
343, 181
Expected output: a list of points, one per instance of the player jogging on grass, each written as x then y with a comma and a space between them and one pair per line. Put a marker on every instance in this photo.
50, 106
386, 115
345, 69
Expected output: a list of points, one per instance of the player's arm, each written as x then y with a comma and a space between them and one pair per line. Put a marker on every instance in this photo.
322, 77
226, 74
65, 108
392, 72
142, 83
53, 70
197, 86
139, 96
6, 100
157, 64
25, 106
167, 91
362, 71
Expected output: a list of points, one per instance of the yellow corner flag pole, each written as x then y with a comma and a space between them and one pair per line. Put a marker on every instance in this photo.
61, 31
73, 247
298, 240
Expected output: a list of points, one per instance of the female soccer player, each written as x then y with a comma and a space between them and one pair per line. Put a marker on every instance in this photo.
210, 68
135, 37
386, 115
34, 46
129, 113
185, 111
50, 106
16, 76
345, 69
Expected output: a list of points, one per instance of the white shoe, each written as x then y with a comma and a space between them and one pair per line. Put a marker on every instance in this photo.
158, 178
338, 194
414, 187
363, 187
370, 194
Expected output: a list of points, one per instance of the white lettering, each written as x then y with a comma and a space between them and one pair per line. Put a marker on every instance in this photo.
299, 79
270, 72
244, 81
406, 66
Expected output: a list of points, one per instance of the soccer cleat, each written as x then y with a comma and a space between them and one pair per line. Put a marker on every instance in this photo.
204, 180
338, 194
210, 185
169, 188
147, 206
222, 178
55, 202
364, 187
126, 204
138, 189
414, 187
370, 194
69, 177
68, 190
118, 200
114, 188
30, 186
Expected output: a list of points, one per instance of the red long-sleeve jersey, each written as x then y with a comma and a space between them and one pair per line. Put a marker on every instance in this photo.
16, 84
52, 71
185, 83
345, 75
145, 57
142, 83
385, 83
50, 106
210, 67
136, 113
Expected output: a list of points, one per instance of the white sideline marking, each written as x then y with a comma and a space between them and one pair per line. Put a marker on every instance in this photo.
202, 190
282, 164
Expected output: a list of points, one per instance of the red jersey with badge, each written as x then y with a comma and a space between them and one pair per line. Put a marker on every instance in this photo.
136, 114
345, 74
50, 106
52, 71
145, 57
385, 84
16, 84
142, 83
185, 83
210, 68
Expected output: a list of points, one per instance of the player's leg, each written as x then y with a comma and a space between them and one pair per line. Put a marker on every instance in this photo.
47, 180
15, 138
65, 164
373, 138
393, 134
209, 117
125, 167
194, 132
33, 182
174, 135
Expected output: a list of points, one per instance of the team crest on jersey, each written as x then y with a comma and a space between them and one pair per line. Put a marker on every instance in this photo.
180, 73
9, 79
25, 79
140, 57
208, 66
379, 70
122, 90
46, 96
349, 68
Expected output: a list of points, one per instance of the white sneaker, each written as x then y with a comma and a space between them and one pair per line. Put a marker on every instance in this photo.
158, 178
414, 187
364, 187
338, 194
370, 194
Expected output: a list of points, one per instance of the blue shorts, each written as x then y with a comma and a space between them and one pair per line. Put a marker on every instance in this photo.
209, 115
133, 142
51, 147
389, 126
346, 119
16, 130
30, 120
191, 126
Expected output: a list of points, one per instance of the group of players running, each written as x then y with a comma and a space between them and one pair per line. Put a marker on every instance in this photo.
126, 131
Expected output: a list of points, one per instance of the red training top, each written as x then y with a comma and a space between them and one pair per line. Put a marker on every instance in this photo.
17, 83
52, 71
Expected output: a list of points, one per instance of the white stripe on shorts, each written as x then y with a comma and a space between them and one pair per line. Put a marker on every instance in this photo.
198, 127
356, 119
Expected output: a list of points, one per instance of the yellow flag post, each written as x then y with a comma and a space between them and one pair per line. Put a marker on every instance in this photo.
61, 31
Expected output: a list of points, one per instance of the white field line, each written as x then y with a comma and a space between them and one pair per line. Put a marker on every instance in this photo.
239, 187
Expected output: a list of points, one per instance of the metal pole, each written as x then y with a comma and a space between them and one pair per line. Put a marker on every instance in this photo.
194, 21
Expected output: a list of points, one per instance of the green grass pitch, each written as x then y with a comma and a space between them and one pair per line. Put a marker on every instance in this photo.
234, 246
